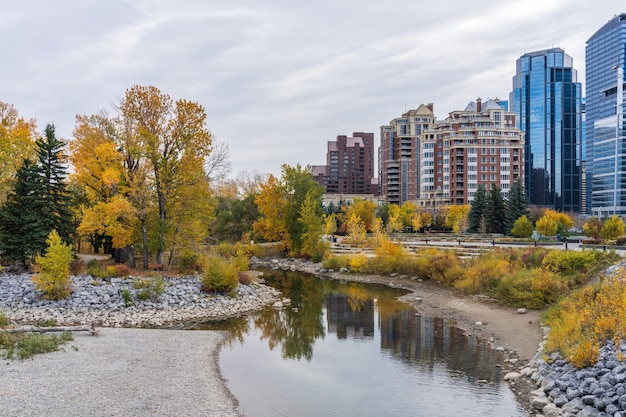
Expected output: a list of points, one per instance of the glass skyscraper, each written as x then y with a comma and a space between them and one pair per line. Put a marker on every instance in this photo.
547, 100
605, 55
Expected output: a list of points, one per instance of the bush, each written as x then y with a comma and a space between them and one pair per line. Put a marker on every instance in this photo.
483, 272
529, 288
587, 317
4, 320
220, 275
445, 269
336, 262
77, 267
358, 263
53, 279
95, 269
568, 261
189, 262
150, 289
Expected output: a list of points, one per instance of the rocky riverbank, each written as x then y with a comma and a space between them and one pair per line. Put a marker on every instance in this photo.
103, 302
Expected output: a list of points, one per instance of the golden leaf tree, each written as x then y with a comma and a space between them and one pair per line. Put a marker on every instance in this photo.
17, 143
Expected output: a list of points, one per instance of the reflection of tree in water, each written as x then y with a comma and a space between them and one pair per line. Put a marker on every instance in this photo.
350, 310
296, 327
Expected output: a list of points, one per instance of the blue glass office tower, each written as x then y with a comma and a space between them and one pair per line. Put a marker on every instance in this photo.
605, 55
547, 100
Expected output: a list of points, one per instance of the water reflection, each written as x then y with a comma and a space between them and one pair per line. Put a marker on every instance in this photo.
337, 341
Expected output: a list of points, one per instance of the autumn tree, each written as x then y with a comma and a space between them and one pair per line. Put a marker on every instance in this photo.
457, 218
280, 203
17, 144
365, 210
522, 228
612, 228
421, 219
174, 138
312, 220
546, 226
562, 220
593, 228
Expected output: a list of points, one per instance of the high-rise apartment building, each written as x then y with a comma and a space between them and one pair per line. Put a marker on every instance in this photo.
547, 100
474, 146
605, 55
349, 166
398, 157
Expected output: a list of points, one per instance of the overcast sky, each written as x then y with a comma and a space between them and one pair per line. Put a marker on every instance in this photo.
280, 78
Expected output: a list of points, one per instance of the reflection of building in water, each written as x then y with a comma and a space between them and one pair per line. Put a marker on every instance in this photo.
427, 340
347, 323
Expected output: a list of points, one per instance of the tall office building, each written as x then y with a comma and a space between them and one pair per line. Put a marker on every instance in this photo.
605, 55
398, 155
547, 100
349, 166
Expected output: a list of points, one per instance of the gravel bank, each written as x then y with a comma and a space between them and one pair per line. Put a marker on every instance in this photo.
121, 372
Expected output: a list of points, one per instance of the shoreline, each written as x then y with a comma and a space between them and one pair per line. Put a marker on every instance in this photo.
517, 335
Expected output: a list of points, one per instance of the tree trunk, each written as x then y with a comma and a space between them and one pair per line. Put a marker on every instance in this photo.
91, 328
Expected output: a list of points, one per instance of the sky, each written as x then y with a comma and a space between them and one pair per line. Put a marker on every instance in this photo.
279, 78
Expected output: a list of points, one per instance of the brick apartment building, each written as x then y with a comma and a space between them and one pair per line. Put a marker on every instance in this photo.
478, 145
349, 166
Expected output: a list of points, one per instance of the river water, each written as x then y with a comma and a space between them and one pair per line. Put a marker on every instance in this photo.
349, 349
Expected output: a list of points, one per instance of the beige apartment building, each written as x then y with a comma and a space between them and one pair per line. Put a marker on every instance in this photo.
478, 145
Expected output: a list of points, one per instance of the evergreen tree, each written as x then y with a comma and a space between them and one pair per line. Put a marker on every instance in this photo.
20, 217
516, 205
477, 212
39, 203
54, 195
495, 211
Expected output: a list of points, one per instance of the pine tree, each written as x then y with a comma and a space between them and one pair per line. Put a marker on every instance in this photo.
38, 204
477, 212
516, 205
20, 236
495, 211
54, 194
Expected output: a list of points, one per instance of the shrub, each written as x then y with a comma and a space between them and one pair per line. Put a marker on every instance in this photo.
54, 267
219, 275
244, 278
189, 262
95, 269
483, 272
127, 296
121, 270
77, 267
4, 320
358, 263
445, 269
336, 262
589, 316
35, 343
150, 289
568, 261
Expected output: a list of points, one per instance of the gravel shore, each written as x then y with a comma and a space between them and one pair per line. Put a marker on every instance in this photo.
121, 372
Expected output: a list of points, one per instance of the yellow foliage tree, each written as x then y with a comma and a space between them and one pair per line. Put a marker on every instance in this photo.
546, 226
421, 219
53, 279
356, 229
612, 228
457, 218
365, 210
17, 143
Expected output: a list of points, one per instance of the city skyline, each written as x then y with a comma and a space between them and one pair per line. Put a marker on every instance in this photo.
278, 81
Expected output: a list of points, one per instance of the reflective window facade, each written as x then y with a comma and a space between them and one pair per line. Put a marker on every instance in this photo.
605, 55
547, 101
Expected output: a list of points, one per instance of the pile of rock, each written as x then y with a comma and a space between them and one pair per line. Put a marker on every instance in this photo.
103, 302
597, 391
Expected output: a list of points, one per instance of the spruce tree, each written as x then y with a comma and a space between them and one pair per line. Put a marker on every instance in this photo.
20, 217
477, 212
38, 204
516, 204
54, 194
495, 211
